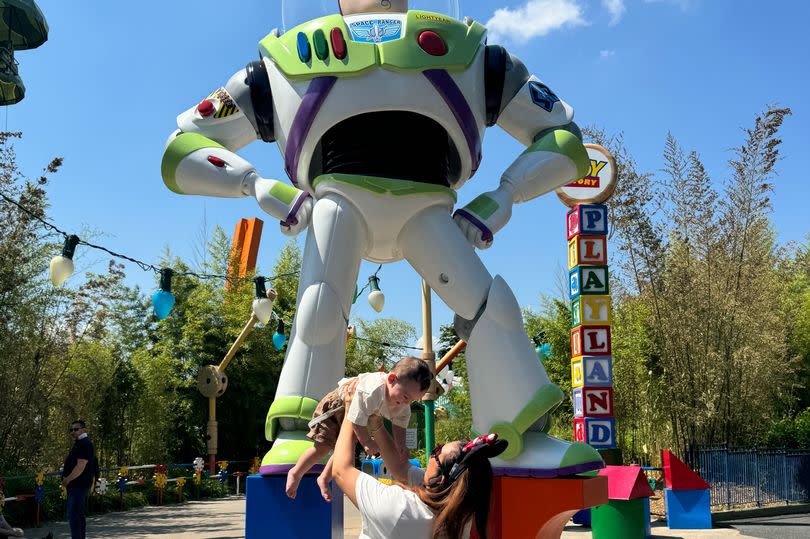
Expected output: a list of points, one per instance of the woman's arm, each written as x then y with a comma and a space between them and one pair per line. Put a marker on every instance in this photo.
345, 474
393, 460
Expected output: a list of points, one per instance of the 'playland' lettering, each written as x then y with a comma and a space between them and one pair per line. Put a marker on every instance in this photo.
597, 373
600, 434
594, 341
592, 217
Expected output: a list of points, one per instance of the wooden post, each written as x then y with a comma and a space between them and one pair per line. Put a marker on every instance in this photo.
212, 434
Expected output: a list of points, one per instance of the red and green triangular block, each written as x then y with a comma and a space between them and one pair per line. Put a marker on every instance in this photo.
679, 476
626, 482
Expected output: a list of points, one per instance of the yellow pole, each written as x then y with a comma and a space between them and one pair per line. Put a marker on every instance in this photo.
428, 355
238, 343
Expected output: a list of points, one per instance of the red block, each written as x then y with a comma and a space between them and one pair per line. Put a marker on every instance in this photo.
590, 341
597, 401
626, 482
679, 476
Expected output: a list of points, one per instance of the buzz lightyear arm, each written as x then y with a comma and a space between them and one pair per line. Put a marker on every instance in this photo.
199, 158
529, 111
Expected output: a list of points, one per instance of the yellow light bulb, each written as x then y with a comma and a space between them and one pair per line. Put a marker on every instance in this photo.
61, 269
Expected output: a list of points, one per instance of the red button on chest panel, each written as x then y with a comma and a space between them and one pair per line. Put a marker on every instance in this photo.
338, 43
432, 43
216, 161
206, 108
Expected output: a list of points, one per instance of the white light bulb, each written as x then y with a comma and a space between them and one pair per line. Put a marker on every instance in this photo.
377, 300
61, 269
263, 309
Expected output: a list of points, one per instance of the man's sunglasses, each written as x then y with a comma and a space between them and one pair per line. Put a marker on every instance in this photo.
74, 429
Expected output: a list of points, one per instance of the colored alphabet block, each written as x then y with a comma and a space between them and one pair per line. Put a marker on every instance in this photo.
577, 372
621, 519
587, 250
588, 219
270, 513
579, 404
588, 280
590, 311
597, 401
590, 341
679, 476
540, 508
592, 401
592, 371
596, 432
688, 509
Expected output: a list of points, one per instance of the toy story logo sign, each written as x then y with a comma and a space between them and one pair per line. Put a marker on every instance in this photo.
598, 185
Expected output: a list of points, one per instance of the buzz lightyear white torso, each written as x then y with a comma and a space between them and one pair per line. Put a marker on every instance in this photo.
340, 88
385, 204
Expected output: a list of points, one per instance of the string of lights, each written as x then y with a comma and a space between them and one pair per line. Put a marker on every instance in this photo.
73, 240
61, 268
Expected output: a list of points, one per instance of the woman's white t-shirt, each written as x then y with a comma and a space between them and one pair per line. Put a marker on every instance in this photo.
391, 512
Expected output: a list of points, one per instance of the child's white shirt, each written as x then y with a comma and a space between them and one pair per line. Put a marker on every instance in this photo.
369, 400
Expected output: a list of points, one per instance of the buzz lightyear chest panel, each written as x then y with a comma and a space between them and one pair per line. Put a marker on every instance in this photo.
348, 47
383, 123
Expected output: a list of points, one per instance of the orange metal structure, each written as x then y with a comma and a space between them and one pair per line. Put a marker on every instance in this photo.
526, 508
245, 248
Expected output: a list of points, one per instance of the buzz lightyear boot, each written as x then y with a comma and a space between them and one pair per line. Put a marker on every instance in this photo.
511, 395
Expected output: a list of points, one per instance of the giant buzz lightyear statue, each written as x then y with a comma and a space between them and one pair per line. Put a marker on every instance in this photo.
379, 112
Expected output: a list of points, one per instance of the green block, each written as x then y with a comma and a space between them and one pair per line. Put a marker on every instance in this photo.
620, 519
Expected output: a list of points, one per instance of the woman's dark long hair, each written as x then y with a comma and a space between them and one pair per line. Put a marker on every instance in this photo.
466, 499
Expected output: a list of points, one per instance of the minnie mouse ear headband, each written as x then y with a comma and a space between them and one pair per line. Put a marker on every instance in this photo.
486, 446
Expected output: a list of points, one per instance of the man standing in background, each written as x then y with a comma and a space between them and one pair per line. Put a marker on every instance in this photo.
77, 477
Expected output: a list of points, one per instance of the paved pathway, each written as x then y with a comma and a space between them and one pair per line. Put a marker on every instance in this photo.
225, 519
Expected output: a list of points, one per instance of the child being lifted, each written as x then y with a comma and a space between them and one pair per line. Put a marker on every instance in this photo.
375, 393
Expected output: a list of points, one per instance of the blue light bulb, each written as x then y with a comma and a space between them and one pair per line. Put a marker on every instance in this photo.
279, 337
163, 302
163, 299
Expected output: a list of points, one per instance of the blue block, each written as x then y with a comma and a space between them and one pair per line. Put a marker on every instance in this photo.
270, 513
648, 530
376, 467
583, 518
688, 509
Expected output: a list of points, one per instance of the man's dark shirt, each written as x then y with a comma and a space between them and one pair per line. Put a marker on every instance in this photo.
83, 449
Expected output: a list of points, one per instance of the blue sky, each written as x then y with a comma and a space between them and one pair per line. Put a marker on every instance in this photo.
104, 91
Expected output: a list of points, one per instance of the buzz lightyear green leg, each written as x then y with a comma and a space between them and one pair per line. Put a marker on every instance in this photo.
510, 392
317, 351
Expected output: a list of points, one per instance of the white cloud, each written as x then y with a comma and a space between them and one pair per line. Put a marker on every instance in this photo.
604, 53
535, 18
616, 9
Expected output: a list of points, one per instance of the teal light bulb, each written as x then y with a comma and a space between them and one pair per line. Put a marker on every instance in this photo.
279, 337
163, 302
163, 299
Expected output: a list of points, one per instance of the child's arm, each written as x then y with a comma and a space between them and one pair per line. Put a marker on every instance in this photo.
399, 440
364, 438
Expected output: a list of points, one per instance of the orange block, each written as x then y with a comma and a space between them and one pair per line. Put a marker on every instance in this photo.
526, 508
245, 247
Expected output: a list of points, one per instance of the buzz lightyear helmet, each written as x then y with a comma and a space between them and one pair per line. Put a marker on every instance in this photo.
295, 12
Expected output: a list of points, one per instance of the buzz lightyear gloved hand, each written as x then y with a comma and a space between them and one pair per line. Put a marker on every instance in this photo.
293, 207
482, 218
